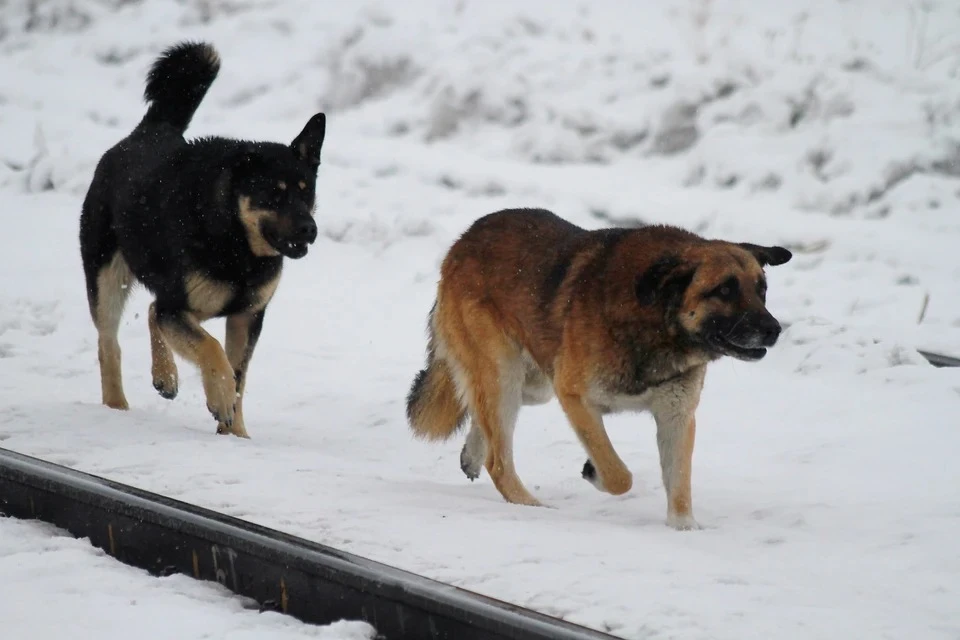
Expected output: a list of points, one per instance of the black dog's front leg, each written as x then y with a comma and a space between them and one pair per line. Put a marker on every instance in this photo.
243, 331
182, 332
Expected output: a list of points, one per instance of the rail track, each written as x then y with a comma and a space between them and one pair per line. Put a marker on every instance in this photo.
310, 581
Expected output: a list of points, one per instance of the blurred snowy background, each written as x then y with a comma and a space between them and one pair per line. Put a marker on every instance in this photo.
829, 126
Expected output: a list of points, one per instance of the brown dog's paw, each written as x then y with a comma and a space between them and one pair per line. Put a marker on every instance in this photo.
166, 385
684, 522
469, 464
117, 403
618, 486
589, 472
236, 428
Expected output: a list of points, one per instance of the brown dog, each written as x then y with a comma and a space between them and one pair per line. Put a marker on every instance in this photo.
529, 306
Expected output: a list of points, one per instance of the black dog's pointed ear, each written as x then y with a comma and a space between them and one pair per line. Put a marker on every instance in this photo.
663, 282
772, 256
308, 143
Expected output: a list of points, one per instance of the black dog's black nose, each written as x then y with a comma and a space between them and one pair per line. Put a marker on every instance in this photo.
305, 230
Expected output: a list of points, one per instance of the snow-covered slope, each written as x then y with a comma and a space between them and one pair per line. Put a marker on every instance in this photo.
824, 474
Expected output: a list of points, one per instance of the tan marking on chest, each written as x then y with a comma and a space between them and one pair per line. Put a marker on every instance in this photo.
264, 294
252, 219
206, 297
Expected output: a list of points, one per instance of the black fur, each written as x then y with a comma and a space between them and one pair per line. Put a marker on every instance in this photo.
589, 471
171, 207
772, 256
663, 282
609, 239
416, 390
177, 83
555, 278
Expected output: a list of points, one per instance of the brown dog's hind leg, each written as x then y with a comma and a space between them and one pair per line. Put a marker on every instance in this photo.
111, 289
473, 456
496, 409
676, 432
492, 372
186, 337
163, 367
243, 331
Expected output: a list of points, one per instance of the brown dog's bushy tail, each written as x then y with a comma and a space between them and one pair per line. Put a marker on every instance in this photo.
434, 410
177, 83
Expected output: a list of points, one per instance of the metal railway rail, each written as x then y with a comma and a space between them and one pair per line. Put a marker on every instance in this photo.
939, 360
310, 581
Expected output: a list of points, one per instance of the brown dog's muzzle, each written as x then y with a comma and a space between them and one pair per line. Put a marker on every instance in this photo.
745, 336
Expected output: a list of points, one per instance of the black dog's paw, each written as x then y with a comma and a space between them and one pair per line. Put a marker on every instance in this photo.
166, 391
589, 472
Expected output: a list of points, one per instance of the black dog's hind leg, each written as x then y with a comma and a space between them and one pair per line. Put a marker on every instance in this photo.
163, 367
182, 332
108, 287
108, 280
243, 331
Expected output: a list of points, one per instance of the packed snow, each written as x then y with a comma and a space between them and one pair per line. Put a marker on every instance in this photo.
825, 475
53, 582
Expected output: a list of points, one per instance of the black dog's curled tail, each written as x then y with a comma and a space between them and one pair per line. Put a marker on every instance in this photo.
177, 83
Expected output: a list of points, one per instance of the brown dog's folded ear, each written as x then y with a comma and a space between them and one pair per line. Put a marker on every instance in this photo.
772, 256
663, 282
308, 143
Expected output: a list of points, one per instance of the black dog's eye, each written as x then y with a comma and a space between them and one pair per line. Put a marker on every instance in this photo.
277, 196
762, 290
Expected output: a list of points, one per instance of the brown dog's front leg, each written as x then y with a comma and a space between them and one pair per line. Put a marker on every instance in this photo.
675, 440
674, 412
604, 470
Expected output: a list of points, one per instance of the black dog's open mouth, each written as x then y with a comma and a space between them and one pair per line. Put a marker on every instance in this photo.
287, 248
731, 348
293, 249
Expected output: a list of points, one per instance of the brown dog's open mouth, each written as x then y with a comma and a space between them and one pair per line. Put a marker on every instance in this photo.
731, 348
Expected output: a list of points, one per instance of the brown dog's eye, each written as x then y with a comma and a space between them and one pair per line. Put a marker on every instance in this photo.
726, 291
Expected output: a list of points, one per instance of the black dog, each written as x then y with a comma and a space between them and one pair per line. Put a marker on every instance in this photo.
204, 225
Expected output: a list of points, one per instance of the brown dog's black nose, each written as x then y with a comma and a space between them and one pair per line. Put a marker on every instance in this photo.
769, 330
305, 230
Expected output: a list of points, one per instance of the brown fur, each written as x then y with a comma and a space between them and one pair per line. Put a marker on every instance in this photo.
163, 367
440, 406
529, 305
115, 279
252, 219
206, 297
193, 343
238, 355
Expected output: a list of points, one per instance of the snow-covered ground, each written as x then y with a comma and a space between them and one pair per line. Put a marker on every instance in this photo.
54, 584
825, 475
